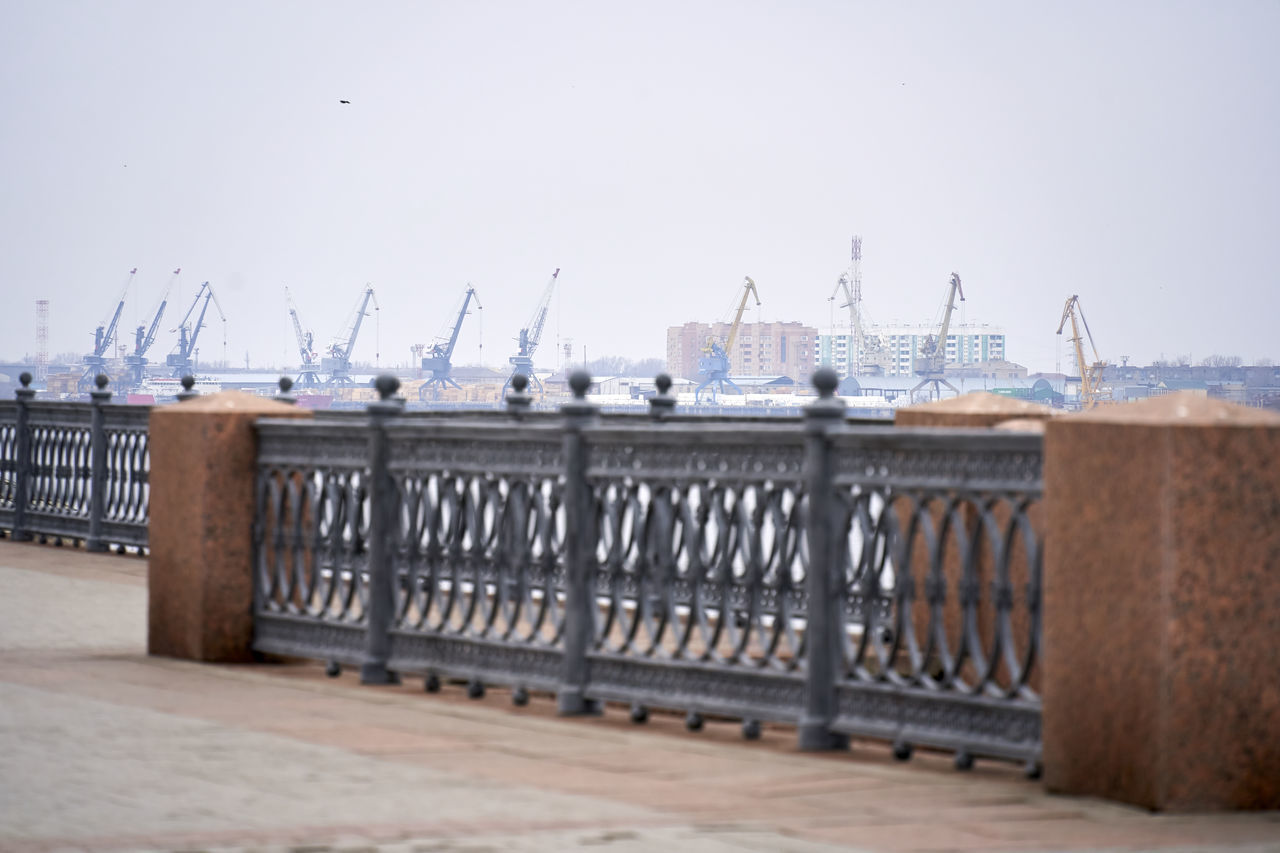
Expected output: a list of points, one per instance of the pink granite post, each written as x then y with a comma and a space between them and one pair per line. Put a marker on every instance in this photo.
977, 409
200, 581
1162, 605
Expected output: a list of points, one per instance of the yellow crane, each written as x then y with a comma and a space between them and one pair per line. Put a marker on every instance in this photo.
931, 363
714, 366
1092, 391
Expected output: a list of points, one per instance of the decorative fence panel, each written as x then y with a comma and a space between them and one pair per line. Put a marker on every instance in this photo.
699, 565
854, 580
74, 470
479, 552
126, 489
58, 495
311, 538
938, 574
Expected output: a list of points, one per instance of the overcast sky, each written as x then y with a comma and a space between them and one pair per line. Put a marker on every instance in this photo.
656, 152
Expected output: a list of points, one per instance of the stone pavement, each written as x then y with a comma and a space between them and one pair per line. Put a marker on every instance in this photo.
103, 748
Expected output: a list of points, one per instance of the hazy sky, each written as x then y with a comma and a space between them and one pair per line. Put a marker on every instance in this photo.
657, 152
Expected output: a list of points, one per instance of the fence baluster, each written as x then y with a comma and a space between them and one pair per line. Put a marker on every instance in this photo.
824, 617
383, 521
97, 465
579, 552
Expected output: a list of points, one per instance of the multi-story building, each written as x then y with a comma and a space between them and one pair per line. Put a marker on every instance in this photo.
761, 349
892, 350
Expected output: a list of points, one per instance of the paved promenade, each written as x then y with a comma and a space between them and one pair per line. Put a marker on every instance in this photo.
104, 748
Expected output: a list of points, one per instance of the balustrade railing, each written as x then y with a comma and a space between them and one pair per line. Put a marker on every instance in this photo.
852, 580
74, 471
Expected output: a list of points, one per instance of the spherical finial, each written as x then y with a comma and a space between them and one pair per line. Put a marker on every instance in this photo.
663, 382
826, 380
285, 384
580, 381
387, 385
25, 379
101, 381
519, 382
188, 382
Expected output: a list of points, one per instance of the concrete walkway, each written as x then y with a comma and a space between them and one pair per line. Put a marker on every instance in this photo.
103, 748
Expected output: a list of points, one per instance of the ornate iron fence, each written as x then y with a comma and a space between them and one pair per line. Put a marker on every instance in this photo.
853, 580
74, 470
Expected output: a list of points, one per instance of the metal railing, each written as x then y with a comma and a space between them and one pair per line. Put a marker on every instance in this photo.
868, 581
74, 471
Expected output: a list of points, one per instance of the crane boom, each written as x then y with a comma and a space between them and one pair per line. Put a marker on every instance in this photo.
305, 339
345, 351
439, 361
531, 334
954, 288
1091, 390
338, 362
714, 366
932, 362
145, 340
188, 333
195, 330
457, 326
748, 289
102, 339
96, 361
935, 350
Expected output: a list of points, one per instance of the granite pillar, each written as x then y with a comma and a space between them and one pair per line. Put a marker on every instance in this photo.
977, 409
200, 581
1162, 605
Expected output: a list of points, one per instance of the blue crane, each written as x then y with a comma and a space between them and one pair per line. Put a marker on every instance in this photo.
145, 336
183, 361
522, 361
439, 362
713, 367
338, 363
308, 374
96, 361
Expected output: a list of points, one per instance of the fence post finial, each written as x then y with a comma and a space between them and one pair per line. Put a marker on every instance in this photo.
662, 403
188, 383
828, 405
518, 401
283, 396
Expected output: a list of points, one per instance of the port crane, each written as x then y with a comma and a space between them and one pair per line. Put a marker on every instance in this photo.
439, 361
145, 336
867, 354
183, 361
96, 361
530, 335
714, 365
338, 362
855, 322
1092, 391
308, 374
931, 363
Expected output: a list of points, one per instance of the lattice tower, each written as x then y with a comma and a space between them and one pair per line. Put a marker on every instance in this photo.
42, 339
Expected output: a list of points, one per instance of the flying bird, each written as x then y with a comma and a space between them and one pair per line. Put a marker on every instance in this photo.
344, 102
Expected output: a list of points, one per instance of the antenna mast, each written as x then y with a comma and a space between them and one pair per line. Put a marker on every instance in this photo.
855, 315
